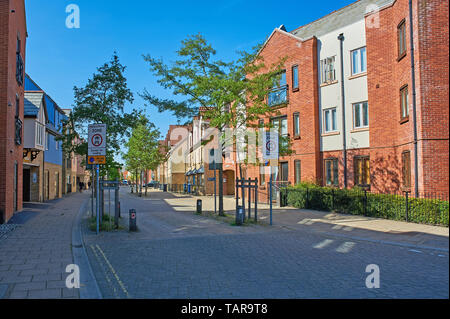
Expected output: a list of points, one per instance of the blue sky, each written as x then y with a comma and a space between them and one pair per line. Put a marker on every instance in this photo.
59, 58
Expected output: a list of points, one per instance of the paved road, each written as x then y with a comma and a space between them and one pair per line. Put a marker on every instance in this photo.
177, 254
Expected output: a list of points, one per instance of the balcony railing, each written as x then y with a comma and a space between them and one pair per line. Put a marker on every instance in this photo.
278, 96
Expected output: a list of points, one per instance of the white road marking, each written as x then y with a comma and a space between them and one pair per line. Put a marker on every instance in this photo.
345, 247
324, 243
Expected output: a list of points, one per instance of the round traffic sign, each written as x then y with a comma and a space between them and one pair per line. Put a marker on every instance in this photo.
97, 140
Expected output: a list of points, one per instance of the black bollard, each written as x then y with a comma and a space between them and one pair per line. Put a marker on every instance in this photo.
199, 206
132, 223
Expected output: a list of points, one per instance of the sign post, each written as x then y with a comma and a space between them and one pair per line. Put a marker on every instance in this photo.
270, 152
96, 156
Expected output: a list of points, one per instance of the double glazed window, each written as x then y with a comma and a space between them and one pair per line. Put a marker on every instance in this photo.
404, 109
280, 125
278, 94
330, 120
297, 172
327, 70
406, 169
359, 61
362, 170
331, 172
360, 115
296, 124
401, 39
295, 78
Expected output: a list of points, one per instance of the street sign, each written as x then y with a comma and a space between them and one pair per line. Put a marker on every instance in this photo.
97, 140
97, 159
270, 145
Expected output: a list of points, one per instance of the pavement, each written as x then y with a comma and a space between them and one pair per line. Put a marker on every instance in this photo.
356, 226
178, 254
36, 247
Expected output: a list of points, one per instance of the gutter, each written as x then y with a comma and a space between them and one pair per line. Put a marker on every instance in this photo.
413, 80
344, 142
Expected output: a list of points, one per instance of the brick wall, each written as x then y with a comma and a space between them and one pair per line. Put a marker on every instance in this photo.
387, 73
11, 25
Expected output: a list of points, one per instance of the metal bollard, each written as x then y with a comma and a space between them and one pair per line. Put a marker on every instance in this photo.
240, 215
132, 223
199, 206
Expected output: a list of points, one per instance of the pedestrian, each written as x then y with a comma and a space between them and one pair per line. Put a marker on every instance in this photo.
89, 185
80, 184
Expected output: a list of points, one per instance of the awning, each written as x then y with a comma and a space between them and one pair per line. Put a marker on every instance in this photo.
201, 170
189, 173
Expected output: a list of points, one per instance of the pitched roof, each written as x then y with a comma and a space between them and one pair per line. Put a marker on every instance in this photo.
339, 18
32, 103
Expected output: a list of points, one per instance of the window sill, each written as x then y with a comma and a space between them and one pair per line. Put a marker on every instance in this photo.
404, 120
297, 137
295, 90
279, 106
355, 76
401, 57
331, 133
329, 83
356, 130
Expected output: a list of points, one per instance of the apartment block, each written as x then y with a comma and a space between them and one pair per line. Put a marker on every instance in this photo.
13, 37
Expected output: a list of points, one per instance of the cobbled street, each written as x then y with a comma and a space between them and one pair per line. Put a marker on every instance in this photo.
177, 254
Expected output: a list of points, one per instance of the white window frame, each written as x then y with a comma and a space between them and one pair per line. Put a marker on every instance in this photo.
330, 111
359, 60
328, 70
361, 116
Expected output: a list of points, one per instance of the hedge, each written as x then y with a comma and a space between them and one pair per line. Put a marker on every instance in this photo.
358, 202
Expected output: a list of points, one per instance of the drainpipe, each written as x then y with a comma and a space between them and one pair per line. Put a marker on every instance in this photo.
341, 39
413, 80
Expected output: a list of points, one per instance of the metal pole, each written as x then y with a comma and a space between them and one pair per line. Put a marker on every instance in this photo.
249, 197
243, 196
270, 198
92, 191
215, 191
97, 175
256, 199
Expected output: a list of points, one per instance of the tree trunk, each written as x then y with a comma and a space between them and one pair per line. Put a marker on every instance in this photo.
146, 182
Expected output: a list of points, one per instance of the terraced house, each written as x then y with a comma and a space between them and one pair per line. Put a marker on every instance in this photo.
13, 36
348, 101
55, 180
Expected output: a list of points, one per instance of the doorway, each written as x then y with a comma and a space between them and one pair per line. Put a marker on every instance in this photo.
26, 185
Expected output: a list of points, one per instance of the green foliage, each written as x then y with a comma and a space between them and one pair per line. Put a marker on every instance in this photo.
230, 94
357, 202
143, 148
101, 100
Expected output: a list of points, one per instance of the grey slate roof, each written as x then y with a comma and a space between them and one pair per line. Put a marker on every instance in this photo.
32, 103
338, 19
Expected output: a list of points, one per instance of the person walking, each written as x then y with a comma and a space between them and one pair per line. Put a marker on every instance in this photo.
80, 184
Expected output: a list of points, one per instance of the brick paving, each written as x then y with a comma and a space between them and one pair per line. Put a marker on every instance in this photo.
34, 255
177, 254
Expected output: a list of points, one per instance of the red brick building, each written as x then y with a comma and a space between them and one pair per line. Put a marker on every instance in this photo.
392, 139
13, 35
346, 99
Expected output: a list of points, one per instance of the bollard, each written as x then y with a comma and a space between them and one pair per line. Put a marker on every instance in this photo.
132, 223
240, 215
199, 206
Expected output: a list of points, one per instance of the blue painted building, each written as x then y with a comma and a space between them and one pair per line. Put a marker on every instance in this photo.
54, 183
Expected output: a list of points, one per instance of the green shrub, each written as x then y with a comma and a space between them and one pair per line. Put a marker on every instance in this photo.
356, 202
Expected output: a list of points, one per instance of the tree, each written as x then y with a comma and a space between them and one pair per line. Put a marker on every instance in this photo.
233, 94
143, 149
102, 100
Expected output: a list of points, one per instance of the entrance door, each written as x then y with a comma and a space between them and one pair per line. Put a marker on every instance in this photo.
284, 172
26, 185
47, 185
15, 187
